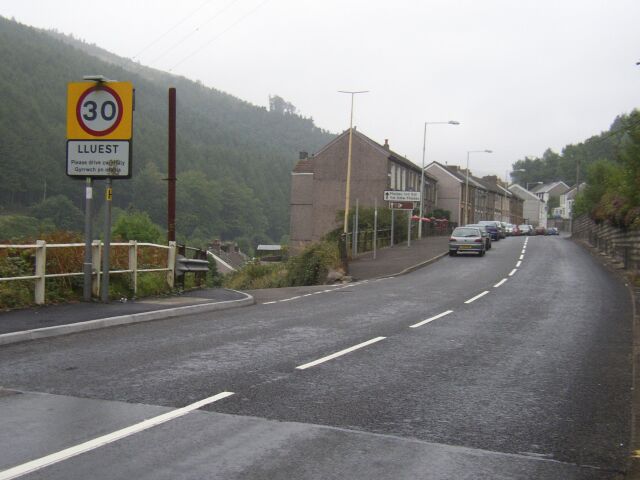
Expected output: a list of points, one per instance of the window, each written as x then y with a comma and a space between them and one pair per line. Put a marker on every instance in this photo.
393, 177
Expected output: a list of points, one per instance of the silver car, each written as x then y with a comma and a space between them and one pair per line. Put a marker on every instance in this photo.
467, 240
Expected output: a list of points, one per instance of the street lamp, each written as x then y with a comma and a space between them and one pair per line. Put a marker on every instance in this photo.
424, 147
348, 192
466, 188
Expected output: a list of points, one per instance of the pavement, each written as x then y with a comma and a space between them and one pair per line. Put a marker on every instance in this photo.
54, 320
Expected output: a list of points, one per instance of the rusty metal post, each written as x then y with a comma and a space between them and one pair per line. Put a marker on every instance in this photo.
171, 197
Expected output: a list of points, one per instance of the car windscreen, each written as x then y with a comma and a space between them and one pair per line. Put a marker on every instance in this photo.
466, 232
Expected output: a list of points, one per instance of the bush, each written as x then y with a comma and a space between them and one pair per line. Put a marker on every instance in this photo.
138, 226
313, 264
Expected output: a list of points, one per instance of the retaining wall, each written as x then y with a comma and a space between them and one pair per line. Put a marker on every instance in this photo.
623, 246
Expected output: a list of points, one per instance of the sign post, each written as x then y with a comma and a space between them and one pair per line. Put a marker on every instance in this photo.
99, 132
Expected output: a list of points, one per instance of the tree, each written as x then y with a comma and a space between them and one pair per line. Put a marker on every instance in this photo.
138, 226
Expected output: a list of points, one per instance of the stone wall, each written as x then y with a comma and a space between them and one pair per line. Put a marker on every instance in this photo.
622, 246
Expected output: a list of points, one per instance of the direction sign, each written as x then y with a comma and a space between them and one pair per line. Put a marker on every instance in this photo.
102, 110
401, 205
396, 196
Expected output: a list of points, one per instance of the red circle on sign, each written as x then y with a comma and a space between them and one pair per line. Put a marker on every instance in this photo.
90, 131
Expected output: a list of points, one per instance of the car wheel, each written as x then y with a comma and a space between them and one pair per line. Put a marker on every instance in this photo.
482, 252
452, 253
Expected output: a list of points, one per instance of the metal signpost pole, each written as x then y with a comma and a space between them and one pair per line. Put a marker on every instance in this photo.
409, 212
107, 243
393, 216
87, 265
375, 226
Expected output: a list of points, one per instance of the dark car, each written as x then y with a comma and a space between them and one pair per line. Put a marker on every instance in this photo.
485, 233
552, 231
540, 230
493, 228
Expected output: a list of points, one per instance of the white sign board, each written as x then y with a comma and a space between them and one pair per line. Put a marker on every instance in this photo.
99, 158
394, 196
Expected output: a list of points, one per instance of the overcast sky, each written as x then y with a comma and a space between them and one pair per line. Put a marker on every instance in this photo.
519, 75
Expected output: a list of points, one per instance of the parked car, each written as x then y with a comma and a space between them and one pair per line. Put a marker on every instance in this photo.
540, 230
467, 240
552, 231
492, 227
516, 232
485, 234
508, 229
525, 229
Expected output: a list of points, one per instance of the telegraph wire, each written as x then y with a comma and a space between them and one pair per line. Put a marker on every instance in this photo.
209, 42
196, 30
161, 36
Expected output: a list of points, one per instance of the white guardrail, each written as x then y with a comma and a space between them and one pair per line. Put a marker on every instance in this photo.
40, 275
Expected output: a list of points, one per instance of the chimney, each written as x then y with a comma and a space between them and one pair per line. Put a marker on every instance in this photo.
386, 143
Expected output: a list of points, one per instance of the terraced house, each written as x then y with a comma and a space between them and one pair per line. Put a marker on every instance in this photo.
486, 199
318, 184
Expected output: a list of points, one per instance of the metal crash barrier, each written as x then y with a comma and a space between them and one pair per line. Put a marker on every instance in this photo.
199, 265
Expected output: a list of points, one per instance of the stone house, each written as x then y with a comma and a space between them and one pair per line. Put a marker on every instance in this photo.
318, 185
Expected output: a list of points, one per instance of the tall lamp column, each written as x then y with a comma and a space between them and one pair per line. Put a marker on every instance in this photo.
424, 148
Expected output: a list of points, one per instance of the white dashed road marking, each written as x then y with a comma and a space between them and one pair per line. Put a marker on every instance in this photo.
419, 324
340, 353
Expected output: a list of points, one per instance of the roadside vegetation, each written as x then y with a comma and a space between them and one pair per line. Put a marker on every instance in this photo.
20, 262
311, 267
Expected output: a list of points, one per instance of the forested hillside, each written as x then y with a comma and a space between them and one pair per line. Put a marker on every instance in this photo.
608, 163
553, 166
234, 158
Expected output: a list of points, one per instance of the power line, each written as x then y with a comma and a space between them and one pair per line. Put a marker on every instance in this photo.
209, 42
161, 36
196, 30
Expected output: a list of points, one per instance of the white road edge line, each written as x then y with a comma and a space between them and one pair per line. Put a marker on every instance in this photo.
337, 354
501, 282
519, 263
440, 315
67, 453
268, 303
511, 274
480, 295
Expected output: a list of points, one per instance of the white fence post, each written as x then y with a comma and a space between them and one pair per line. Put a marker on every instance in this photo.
133, 264
171, 261
96, 260
41, 268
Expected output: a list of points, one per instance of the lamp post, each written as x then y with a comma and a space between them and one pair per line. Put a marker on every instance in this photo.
348, 190
424, 148
466, 188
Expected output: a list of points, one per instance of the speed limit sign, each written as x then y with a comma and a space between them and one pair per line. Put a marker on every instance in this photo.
102, 110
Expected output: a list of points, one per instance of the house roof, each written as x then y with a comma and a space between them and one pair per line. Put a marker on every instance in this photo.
390, 154
547, 187
523, 193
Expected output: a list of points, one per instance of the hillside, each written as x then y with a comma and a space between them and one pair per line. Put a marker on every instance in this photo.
234, 158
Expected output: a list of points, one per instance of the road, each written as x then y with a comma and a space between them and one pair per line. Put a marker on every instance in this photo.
514, 365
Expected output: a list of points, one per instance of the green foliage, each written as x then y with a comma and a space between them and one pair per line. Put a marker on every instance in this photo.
138, 226
258, 275
61, 211
613, 184
308, 268
313, 264
16, 227
234, 159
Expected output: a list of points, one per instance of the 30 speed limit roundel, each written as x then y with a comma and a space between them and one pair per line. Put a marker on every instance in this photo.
99, 111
